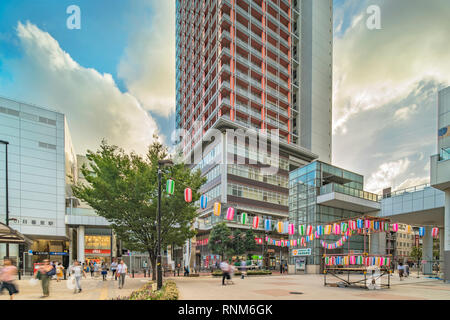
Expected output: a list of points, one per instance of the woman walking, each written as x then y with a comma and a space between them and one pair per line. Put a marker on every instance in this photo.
77, 271
45, 273
7, 277
104, 271
59, 272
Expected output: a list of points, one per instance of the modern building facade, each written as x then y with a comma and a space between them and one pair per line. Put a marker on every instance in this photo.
238, 66
320, 193
440, 171
41, 160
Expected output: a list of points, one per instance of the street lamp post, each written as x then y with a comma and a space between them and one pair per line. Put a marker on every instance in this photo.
161, 163
6, 143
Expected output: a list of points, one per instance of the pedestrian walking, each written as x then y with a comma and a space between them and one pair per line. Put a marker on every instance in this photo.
7, 278
77, 272
186, 271
226, 269
104, 271
114, 269
401, 270
59, 272
178, 269
96, 269
122, 271
45, 273
407, 270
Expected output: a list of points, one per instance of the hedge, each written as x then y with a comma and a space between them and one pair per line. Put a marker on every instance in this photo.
169, 291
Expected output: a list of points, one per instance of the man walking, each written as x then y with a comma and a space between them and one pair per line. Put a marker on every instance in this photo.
122, 271
77, 271
114, 269
44, 273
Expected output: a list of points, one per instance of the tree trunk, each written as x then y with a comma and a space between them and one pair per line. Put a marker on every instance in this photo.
153, 263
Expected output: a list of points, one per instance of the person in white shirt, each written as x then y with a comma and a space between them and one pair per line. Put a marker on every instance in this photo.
114, 265
77, 271
122, 271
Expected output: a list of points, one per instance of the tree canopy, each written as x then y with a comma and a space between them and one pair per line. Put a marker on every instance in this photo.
123, 188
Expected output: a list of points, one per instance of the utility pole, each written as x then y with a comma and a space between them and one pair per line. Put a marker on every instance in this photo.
6, 143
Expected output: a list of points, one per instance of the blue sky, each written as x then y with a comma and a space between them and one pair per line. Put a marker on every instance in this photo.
115, 77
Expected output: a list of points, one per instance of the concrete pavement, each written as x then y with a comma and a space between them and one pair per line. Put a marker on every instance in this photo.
306, 287
93, 289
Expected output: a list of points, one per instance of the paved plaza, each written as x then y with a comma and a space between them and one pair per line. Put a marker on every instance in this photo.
93, 289
275, 287
311, 287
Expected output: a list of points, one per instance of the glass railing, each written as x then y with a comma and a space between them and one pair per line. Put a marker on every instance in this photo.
444, 155
81, 212
339, 188
407, 190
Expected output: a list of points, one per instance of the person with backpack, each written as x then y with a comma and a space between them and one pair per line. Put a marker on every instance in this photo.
45, 273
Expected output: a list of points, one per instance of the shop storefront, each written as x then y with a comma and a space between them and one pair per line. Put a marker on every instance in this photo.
97, 245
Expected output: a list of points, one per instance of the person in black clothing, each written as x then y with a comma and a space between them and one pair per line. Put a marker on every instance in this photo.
186, 271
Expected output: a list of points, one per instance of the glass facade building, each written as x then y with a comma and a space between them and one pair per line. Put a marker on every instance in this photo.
306, 185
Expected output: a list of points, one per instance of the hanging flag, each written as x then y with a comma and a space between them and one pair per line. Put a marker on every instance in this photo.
170, 186
255, 222
291, 229
203, 201
395, 227
244, 218
434, 232
188, 195
421, 231
217, 208
280, 227
230, 213
268, 225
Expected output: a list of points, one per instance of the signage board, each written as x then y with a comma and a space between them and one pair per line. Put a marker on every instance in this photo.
301, 252
97, 251
300, 264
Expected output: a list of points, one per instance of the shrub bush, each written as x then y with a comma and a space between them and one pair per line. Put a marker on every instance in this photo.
169, 291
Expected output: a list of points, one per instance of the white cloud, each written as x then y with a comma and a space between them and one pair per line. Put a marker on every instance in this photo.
148, 67
94, 106
376, 68
405, 112
412, 182
385, 176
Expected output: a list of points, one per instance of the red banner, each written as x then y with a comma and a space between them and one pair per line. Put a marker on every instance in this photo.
97, 251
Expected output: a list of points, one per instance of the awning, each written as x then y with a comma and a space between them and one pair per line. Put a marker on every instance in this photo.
9, 235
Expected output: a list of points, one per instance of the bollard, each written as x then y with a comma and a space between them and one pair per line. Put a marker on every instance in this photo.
132, 272
65, 272
145, 273
19, 274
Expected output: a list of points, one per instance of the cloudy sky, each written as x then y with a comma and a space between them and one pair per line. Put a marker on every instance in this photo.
115, 77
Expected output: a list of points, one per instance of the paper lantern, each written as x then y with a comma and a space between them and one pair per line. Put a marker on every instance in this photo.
285, 227
295, 242
352, 225
359, 260
309, 230
421, 231
230, 214
376, 225
367, 224
280, 227
302, 241
344, 227
188, 195
203, 201
336, 228
311, 237
267, 238
360, 223
268, 225
217, 208
408, 229
319, 231
244, 218
434, 232
170, 186
395, 227
255, 222
302, 229
327, 229
291, 229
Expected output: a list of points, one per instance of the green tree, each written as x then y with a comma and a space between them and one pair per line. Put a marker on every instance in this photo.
123, 188
220, 240
416, 253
